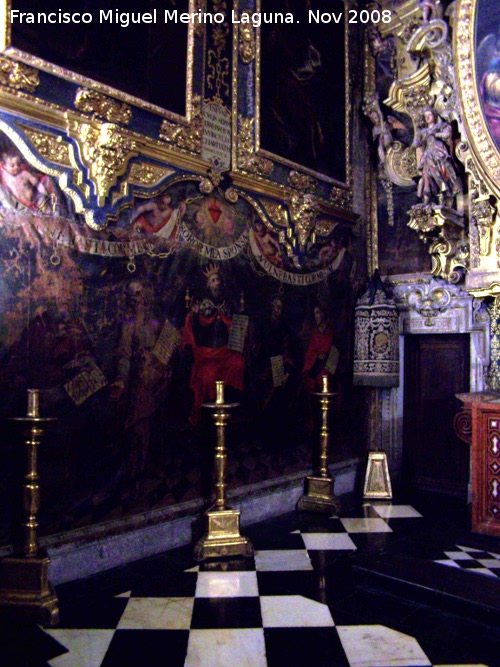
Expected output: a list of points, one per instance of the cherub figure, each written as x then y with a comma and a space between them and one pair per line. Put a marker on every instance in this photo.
269, 246
158, 216
21, 188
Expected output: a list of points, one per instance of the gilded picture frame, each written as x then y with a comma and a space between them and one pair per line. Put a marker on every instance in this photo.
257, 137
476, 32
51, 51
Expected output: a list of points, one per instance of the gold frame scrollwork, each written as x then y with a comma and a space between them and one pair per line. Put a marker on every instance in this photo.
484, 151
101, 89
260, 164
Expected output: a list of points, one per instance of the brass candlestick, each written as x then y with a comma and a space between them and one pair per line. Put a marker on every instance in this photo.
318, 488
25, 590
222, 537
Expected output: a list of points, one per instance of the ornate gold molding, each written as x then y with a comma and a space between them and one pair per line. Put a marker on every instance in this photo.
444, 232
90, 101
186, 138
51, 146
301, 182
486, 154
105, 150
147, 175
247, 42
18, 76
247, 158
304, 209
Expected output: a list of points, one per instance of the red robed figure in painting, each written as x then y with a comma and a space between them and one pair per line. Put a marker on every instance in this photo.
206, 333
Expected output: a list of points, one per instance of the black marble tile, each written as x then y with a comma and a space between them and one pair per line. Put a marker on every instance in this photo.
151, 648
239, 564
298, 582
181, 585
226, 613
26, 645
102, 612
304, 647
370, 607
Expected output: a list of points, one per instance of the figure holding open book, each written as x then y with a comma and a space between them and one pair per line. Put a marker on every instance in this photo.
206, 339
144, 351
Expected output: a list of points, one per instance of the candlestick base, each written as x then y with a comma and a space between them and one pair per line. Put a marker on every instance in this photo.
222, 537
25, 590
319, 496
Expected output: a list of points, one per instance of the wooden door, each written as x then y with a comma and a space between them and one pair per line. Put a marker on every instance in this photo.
436, 368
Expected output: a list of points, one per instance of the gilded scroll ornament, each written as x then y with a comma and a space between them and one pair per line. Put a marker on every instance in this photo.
444, 231
90, 101
50, 146
482, 215
147, 175
277, 212
303, 212
301, 182
18, 76
105, 150
186, 138
247, 159
341, 197
247, 46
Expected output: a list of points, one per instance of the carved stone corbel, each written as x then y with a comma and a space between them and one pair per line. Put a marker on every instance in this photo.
443, 229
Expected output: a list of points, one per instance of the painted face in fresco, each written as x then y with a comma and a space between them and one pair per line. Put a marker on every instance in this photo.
277, 308
214, 285
318, 316
12, 164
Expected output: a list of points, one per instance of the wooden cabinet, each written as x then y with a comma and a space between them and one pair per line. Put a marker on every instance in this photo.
485, 459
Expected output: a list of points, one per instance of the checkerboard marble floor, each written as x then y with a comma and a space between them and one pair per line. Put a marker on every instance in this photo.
478, 561
294, 603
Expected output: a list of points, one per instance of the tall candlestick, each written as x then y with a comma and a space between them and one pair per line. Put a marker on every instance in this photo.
222, 537
219, 390
33, 403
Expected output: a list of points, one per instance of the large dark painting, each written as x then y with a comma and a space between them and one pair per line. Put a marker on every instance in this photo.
147, 60
303, 86
487, 59
125, 330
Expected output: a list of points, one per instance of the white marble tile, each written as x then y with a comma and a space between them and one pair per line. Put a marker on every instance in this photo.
294, 611
473, 549
196, 568
395, 511
482, 570
319, 541
226, 648
449, 563
127, 594
87, 648
489, 562
226, 585
282, 560
379, 646
458, 555
157, 614
366, 525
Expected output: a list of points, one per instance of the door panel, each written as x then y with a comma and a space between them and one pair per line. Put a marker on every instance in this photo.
436, 368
